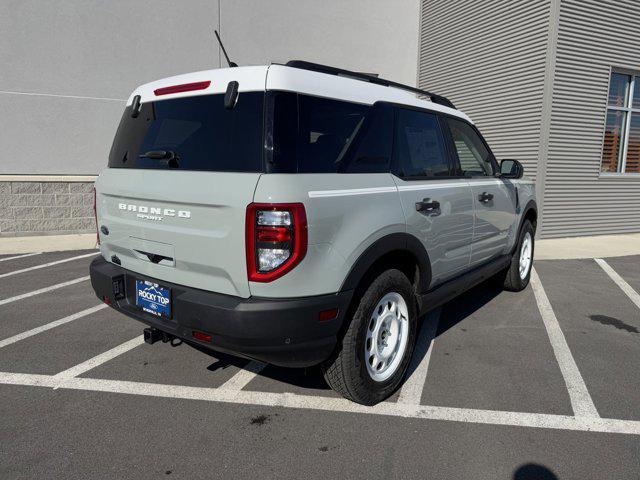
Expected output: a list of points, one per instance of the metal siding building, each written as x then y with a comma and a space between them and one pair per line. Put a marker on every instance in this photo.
534, 76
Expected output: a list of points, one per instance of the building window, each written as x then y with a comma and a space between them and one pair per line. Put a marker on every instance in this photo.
621, 149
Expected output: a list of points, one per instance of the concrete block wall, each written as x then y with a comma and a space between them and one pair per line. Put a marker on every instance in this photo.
35, 207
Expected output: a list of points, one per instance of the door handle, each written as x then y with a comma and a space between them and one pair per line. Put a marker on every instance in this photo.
485, 197
427, 205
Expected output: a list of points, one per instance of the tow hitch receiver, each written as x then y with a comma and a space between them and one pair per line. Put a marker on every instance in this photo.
153, 335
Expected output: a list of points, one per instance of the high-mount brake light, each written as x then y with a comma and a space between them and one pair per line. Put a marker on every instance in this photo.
276, 239
185, 87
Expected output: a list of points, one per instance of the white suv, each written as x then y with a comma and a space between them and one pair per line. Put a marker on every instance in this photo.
301, 214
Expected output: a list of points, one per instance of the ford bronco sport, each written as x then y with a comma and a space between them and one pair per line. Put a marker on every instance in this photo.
301, 214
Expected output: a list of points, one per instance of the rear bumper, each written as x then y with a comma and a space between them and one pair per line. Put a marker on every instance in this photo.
283, 332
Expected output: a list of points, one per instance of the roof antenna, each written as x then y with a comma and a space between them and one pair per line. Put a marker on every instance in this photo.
231, 64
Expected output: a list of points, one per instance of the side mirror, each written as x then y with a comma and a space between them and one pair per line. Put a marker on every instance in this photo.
511, 169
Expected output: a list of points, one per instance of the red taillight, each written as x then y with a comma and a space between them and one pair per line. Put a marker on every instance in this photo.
276, 239
203, 337
185, 87
95, 215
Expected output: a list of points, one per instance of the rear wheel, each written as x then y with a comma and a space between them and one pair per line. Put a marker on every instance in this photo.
519, 272
378, 344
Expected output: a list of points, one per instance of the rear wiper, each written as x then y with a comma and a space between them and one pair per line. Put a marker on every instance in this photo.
169, 156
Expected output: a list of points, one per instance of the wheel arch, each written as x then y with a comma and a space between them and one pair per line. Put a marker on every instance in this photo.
530, 212
403, 248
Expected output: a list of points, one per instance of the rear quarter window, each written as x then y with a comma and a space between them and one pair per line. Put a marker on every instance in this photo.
320, 135
197, 133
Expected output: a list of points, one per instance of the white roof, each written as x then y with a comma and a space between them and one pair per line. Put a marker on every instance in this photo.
280, 77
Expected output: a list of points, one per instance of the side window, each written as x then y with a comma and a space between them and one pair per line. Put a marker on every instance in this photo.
419, 145
474, 157
371, 150
327, 129
311, 134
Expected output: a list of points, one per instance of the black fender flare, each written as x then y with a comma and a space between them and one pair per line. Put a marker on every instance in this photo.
402, 242
531, 205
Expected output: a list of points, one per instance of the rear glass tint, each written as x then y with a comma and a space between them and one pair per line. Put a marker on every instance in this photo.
319, 135
195, 133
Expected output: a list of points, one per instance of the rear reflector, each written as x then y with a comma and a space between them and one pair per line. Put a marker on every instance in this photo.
327, 315
185, 87
203, 337
106, 300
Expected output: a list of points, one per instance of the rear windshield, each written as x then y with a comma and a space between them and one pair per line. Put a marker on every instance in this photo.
192, 133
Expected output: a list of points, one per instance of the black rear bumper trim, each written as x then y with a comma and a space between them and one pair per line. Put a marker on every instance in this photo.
283, 332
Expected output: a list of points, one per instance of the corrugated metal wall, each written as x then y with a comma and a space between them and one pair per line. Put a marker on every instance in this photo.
534, 76
593, 37
489, 58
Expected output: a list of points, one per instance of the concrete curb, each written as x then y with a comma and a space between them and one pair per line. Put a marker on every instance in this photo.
47, 243
588, 247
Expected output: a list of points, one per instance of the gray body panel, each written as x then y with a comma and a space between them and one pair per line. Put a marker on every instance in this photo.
494, 219
207, 248
446, 233
346, 214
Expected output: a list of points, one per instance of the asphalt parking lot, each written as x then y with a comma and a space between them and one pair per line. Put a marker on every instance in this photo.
541, 384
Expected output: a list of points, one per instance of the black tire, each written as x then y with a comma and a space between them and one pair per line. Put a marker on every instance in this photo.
346, 371
513, 281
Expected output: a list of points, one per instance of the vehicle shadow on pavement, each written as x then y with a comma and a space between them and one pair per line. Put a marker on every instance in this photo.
455, 311
302, 379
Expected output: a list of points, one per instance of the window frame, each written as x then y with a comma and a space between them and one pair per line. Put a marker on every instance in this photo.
629, 110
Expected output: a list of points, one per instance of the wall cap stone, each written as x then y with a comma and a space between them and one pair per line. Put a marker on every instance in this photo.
48, 178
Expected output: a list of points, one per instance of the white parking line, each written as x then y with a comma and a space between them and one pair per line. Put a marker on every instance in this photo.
290, 400
411, 392
244, 376
581, 401
624, 286
44, 265
98, 360
49, 326
20, 256
43, 290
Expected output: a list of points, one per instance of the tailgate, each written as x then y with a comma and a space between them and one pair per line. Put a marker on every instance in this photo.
185, 227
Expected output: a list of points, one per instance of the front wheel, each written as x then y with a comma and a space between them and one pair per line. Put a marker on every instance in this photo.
519, 271
377, 346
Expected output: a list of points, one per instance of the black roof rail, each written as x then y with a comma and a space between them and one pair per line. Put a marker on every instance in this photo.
317, 67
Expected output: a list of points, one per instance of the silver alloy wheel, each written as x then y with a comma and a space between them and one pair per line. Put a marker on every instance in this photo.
526, 255
387, 335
